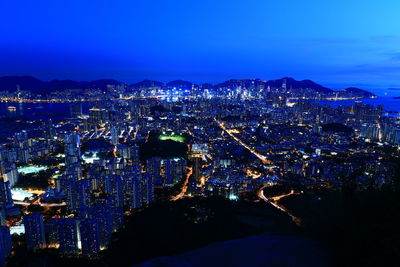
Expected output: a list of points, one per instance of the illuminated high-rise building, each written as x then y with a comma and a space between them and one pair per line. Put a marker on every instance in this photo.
105, 222
22, 143
6, 238
147, 186
114, 132
34, 231
196, 168
21, 139
118, 217
68, 235
98, 115
75, 110
52, 228
90, 236
114, 187
48, 129
72, 148
5, 194
8, 172
284, 86
136, 190
69, 187
153, 168
85, 193
135, 157
5, 244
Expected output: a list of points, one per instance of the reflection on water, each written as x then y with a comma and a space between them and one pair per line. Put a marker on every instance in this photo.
17, 116
389, 103
34, 111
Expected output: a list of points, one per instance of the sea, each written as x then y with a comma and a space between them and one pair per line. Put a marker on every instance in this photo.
38, 111
18, 116
390, 104
388, 98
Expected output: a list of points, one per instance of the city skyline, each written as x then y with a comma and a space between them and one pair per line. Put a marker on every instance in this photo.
335, 87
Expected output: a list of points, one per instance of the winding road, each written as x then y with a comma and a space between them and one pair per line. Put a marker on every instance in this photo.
184, 187
274, 202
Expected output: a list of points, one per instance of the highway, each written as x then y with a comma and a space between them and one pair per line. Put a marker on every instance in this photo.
277, 198
274, 202
41, 204
184, 187
229, 132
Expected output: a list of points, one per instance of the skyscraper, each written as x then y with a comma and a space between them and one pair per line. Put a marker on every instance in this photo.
6, 238
76, 110
168, 172
6, 200
22, 143
114, 187
97, 115
68, 235
48, 129
118, 217
135, 192
5, 244
52, 229
114, 132
34, 230
8, 172
135, 154
72, 148
147, 188
105, 221
85, 193
70, 189
196, 168
90, 236
153, 168
21, 139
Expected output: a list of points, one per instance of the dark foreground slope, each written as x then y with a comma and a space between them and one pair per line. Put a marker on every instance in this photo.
359, 228
260, 250
170, 228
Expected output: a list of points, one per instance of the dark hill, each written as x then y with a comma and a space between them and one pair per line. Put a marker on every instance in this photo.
146, 84
180, 84
294, 84
352, 91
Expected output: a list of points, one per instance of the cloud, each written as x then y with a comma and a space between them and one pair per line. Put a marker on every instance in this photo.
336, 40
386, 38
395, 56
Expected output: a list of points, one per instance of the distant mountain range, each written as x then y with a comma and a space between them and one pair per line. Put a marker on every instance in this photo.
290, 84
36, 86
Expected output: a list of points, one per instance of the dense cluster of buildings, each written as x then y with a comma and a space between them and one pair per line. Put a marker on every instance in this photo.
253, 135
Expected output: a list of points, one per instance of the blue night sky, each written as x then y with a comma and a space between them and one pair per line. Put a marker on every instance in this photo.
336, 43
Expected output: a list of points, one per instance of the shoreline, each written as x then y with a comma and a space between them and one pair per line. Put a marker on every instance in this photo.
16, 100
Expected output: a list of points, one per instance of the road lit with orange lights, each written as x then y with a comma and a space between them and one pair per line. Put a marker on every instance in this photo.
230, 133
185, 184
274, 202
41, 204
